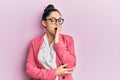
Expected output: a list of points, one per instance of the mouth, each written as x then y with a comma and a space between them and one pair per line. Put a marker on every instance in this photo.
55, 29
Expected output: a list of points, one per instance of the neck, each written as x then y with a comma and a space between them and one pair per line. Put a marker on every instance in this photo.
50, 38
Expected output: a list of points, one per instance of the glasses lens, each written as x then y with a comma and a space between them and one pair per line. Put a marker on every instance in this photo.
60, 21
53, 21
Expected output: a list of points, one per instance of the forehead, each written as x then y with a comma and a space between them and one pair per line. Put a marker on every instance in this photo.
55, 14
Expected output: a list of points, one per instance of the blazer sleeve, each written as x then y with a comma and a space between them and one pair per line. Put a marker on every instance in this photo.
34, 71
66, 52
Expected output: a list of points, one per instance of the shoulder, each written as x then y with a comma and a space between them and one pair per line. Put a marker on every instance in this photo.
36, 40
67, 37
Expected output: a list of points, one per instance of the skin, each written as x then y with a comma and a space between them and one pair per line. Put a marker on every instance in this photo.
50, 28
53, 35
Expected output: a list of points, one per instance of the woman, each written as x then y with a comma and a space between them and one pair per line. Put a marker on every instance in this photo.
51, 56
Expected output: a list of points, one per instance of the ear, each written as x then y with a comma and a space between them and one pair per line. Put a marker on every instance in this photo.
43, 23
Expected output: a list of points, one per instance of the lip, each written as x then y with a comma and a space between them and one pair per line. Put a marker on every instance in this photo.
55, 30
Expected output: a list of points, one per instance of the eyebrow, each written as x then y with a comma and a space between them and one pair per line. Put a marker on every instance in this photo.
55, 18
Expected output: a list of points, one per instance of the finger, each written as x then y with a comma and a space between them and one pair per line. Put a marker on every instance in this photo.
72, 68
69, 69
59, 29
64, 65
68, 72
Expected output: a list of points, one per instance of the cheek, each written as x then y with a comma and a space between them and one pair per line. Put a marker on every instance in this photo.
50, 27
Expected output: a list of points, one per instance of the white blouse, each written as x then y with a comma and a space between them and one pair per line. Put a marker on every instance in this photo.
47, 55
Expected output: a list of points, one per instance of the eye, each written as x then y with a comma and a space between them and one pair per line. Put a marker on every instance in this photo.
53, 20
60, 20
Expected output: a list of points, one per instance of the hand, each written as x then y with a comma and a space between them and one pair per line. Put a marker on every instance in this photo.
62, 71
57, 34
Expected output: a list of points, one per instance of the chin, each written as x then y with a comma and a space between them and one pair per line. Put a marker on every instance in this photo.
53, 34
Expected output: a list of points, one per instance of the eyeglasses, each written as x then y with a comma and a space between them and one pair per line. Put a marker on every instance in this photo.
54, 20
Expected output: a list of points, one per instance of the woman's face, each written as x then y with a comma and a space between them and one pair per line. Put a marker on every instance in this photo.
53, 21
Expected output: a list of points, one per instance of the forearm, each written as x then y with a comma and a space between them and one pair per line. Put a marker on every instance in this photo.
34, 72
65, 55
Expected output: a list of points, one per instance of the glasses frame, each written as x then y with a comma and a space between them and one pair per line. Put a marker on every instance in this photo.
56, 20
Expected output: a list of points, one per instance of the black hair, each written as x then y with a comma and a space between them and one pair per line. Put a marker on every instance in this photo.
50, 8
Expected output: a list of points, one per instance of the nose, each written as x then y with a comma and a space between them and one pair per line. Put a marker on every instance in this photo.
57, 23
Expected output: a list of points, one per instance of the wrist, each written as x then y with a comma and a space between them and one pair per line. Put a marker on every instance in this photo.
56, 39
56, 72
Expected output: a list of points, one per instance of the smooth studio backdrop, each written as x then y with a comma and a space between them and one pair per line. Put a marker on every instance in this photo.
94, 25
